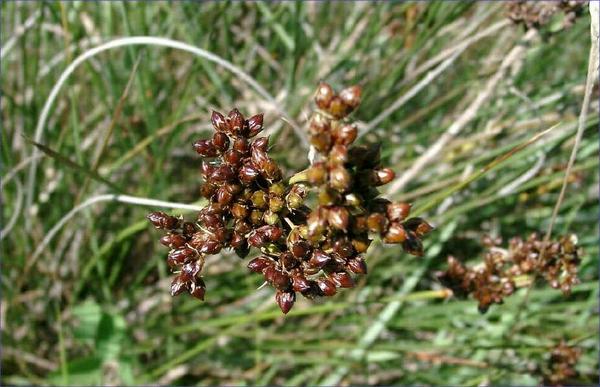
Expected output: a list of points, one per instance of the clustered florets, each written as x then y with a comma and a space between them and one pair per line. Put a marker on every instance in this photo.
494, 279
536, 14
307, 250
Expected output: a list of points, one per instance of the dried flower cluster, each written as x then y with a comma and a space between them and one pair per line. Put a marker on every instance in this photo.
561, 365
311, 251
495, 279
536, 14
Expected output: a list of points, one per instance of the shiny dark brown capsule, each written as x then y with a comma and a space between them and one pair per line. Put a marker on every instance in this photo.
255, 125
163, 221
342, 279
300, 283
173, 240
285, 300
190, 270
319, 259
338, 217
419, 226
259, 264
205, 148
357, 265
236, 121
218, 122
241, 145
220, 141
198, 289
180, 255
261, 144
327, 287
412, 244
178, 286
248, 173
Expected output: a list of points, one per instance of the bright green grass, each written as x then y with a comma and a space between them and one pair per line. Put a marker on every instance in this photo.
96, 310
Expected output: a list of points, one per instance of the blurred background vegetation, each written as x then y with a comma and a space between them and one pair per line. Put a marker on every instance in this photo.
93, 305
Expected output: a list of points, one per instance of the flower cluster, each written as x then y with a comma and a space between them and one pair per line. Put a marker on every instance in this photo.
308, 250
495, 279
324, 251
536, 14
560, 368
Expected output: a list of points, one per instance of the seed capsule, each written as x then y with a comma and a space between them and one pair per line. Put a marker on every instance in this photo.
261, 143
218, 122
343, 248
272, 233
173, 240
327, 287
337, 107
276, 204
224, 196
397, 212
277, 189
198, 289
223, 173
256, 217
220, 141
236, 121
384, 176
190, 270
288, 261
338, 217
357, 265
377, 223
345, 134
188, 229
205, 148
395, 234
340, 179
321, 141
419, 226
300, 249
237, 240
259, 199
179, 256
338, 154
239, 211
211, 247
300, 283
351, 96
277, 278
328, 196
248, 173
412, 245
241, 145
294, 201
319, 259
285, 300
255, 125
270, 217
258, 264
317, 174
163, 221
178, 286
271, 170
361, 244
323, 95
208, 190
342, 279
